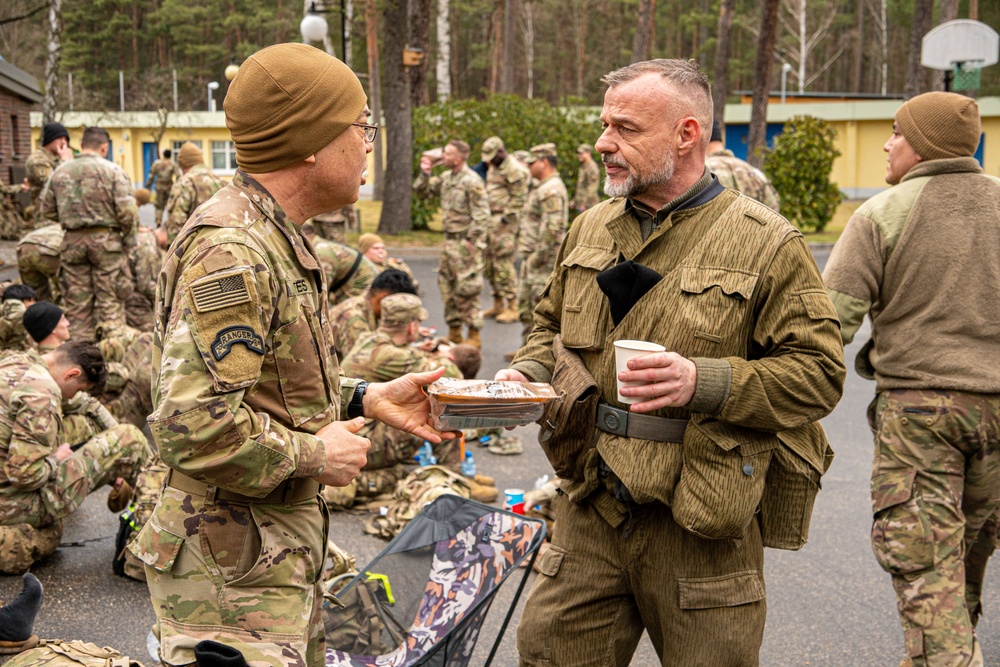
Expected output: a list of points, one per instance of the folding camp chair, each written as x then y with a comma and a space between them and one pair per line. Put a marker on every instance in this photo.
423, 599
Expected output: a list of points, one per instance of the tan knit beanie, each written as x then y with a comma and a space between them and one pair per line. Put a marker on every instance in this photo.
366, 241
940, 125
287, 102
189, 156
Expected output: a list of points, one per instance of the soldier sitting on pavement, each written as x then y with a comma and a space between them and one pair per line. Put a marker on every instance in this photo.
11, 222
38, 260
738, 174
348, 272
144, 260
373, 247
44, 479
359, 315
16, 299
384, 355
47, 325
129, 356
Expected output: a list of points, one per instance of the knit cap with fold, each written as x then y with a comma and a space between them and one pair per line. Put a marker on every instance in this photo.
287, 102
189, 156
940, 125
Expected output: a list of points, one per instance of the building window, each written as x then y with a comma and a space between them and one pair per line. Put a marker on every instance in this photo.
176, 146
223, 157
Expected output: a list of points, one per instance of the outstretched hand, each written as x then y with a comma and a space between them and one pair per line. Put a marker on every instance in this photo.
403, 404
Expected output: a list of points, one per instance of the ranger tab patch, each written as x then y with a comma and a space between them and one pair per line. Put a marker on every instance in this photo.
218, 293
240, 334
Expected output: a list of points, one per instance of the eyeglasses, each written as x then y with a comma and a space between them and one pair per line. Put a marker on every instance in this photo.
370, 131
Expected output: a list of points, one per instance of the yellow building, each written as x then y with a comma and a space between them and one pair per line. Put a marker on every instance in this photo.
862, 128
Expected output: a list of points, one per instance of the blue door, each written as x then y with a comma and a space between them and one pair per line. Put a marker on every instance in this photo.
736, 137
149, 154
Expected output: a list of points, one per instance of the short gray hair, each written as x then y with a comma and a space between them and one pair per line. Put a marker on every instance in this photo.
682, 74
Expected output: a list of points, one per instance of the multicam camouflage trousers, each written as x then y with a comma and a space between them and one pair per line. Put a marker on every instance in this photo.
535, 271
39, 269
499, 257
120, 451
95, 279
460, 278
249, 576
935, 485
160, 201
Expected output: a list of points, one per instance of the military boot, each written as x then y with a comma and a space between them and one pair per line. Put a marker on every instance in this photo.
480, 492
498, 307
455, 334
510, 314
474, 339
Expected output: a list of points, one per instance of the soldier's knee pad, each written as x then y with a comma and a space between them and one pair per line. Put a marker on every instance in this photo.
902, 535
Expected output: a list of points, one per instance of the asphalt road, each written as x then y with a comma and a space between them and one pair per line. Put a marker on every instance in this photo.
829, 604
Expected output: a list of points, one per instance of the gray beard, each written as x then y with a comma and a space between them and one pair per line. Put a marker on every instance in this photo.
634, 186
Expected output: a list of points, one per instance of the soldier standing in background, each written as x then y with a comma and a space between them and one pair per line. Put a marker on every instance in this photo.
144, 261
465, 217
54, 150
195, 186
331, 226
588, 180
507, 183
247, 394
164, 171
92, 199
736, 173
543, 228
920, 259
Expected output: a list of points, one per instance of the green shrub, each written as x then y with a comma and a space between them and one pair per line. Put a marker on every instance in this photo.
799, 167
521, 123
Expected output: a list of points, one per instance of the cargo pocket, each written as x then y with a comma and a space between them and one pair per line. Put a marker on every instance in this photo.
901, 532
177, 642
300, 373
585, 308
729, 590
792, 485
714, 301
548, 563
156, 547
722, 478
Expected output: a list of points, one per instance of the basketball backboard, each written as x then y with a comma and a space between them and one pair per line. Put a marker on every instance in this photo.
960, 41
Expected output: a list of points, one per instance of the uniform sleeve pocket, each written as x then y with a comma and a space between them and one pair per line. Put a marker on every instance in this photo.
818, 305
156, 547
730, 590
901, 533
549, 562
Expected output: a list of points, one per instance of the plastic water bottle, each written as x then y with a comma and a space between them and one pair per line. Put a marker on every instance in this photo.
469, 466
425, 455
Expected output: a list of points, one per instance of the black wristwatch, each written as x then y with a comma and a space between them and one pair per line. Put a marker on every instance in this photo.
356, 408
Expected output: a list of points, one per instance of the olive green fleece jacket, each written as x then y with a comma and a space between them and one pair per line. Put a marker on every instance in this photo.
922, 259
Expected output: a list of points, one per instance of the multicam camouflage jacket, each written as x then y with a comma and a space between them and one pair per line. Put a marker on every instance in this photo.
507, 187
164, 172
743, 177
376, 358
12, 333
244, 371
348, 273
190, 191
464, 205
90, 191
588, 183
543, 226
37, 170
48, 239
351, 319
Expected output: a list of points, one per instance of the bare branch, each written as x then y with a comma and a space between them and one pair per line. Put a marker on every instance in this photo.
829, 62
11, 19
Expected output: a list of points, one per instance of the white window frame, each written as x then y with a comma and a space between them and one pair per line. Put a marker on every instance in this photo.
227, 149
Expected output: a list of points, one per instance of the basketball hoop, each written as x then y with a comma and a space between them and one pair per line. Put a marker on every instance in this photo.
960, 48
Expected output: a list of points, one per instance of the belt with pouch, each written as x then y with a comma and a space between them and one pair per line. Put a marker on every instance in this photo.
644, 427
290, 491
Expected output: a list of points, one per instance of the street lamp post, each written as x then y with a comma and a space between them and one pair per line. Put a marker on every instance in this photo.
212, 86
785, 69
314, 27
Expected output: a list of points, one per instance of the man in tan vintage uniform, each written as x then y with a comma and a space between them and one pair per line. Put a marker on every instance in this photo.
663, 526
247, 396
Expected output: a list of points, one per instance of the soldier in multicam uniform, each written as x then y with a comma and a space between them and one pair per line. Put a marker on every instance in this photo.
13, 337
43, 479
11, 222
373, 247
348, 272
331, 226
47, 325
93, 201
737, 174
936, 417
144, 262
465, 216
164, 171
588, 180
507, 183
386, 354
195, 186
359, 315
38, 260
247, 393
54, 150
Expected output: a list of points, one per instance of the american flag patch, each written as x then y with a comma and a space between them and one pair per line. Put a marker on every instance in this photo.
220, 293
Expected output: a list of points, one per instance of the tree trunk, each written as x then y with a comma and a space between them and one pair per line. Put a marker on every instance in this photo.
857, 71
496, 40
396, 209
374, 90
420, 28
803, 46
529, 46
916, 77
508, 71
349, 23
580, 14
949, 12
442, 69
720, 75
643, 38
52, 62
757, 140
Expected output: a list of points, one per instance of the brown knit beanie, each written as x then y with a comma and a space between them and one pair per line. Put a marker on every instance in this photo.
366, 241
189, 156
287, 102
940, 125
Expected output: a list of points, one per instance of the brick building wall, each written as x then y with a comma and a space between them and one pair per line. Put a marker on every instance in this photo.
15, 136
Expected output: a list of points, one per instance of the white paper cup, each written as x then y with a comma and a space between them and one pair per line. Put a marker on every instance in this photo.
630, 349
